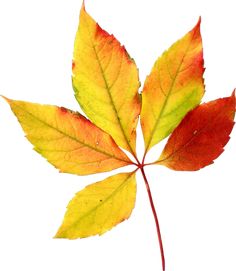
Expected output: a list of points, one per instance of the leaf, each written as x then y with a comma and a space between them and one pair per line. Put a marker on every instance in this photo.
174, 87
201, 136
105, 81
99, 207
67, 139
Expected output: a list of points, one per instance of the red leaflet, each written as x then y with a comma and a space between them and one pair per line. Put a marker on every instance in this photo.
201, 136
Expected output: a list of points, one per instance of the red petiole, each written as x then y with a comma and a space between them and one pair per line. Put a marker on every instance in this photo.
141, 167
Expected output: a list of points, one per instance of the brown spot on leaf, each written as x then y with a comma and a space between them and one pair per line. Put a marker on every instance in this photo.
63, 110
73, 65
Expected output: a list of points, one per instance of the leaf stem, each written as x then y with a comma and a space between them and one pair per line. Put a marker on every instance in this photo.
144, 156
155, 217
136, 158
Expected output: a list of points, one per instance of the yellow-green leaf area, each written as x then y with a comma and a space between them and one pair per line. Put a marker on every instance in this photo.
105, 81
99, 207
174, 87
67, 139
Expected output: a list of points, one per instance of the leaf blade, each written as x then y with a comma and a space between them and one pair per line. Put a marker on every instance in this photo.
67, 139
201, 136
106, 78
99, 207
174, 87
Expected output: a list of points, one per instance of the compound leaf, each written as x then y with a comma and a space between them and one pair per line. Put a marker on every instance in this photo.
99, 207
174, 87
67, 139
201, 136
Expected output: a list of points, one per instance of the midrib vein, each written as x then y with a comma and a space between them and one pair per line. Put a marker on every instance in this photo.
108, 91
168, 95
69, 136
193, 137
115, 191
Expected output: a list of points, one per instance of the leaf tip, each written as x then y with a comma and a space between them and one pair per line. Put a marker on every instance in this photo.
6, 99
198, 24
83, 9
83, 5
233, 93
234, 98
199, 20
196, 28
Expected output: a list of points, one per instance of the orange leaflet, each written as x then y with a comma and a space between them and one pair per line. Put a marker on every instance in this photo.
67, 139
105, 81
201, 136
174, 87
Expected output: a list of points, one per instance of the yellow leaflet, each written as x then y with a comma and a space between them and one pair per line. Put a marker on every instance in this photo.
67, 139
105, 80
99, 207
174, 87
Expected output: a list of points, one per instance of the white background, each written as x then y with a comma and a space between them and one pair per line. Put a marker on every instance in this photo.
197, 210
